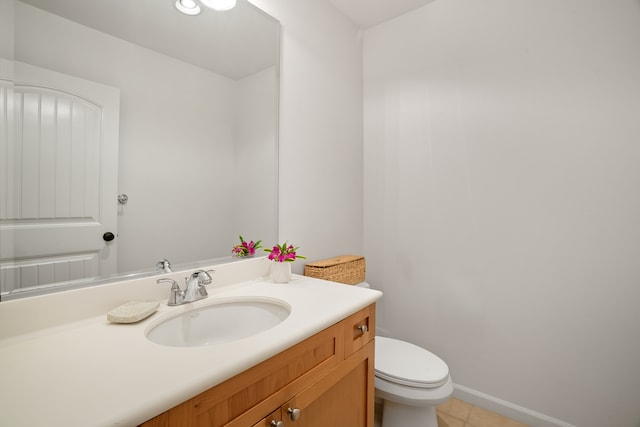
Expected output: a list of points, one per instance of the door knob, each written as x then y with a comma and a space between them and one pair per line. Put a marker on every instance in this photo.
108, 236
275, 423
294, 413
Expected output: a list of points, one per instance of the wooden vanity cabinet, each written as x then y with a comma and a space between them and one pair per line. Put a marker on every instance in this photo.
326, 380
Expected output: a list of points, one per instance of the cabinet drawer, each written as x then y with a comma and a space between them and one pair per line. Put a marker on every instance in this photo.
271, 420
360, 328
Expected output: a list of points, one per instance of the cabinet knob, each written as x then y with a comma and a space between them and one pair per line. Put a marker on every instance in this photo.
294, 413
275, 423
362, 328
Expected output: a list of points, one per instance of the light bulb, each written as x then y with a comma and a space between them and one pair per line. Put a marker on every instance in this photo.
188, 7
219, 4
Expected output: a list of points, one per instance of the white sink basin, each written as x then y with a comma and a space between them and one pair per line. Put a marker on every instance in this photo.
221, 322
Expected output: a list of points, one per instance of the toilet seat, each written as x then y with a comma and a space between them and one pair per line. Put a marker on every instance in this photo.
407, 364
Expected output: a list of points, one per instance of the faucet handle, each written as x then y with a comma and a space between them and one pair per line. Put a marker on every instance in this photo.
195, 288
174, 284
204, 279
204, 276
164, 265
177, 295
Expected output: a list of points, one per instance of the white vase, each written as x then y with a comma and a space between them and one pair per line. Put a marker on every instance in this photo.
281, 272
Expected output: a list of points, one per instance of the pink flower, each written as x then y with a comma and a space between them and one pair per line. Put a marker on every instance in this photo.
283, 253
245, 248
250, 247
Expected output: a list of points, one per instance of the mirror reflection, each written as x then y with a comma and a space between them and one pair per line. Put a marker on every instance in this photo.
132, 133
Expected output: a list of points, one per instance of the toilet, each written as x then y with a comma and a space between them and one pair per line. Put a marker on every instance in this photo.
410, 381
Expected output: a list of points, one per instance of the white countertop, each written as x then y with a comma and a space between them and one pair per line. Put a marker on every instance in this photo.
90, 372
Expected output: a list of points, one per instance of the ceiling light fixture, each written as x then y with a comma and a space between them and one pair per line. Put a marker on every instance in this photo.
219, 4
188, 7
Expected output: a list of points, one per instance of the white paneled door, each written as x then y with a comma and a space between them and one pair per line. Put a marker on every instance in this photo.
58, 179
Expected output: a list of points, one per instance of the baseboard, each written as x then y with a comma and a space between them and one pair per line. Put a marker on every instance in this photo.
508, 409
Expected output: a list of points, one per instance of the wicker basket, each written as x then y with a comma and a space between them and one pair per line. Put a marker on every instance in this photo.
348, 269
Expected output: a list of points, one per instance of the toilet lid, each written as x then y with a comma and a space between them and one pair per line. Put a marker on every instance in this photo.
404, 363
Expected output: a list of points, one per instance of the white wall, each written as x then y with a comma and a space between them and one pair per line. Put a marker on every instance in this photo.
502, 197
320, 152
6, 29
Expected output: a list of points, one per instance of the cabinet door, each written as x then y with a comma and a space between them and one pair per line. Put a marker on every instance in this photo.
342, 399
360, 329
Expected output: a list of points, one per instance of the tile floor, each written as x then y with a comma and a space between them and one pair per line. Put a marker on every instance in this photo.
456, 413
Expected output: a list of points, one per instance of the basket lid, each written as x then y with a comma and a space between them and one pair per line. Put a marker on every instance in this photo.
335, 261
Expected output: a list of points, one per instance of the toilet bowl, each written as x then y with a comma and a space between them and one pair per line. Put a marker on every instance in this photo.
410, 381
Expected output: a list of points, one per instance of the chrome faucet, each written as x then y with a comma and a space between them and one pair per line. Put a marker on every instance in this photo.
195, 286
194, 291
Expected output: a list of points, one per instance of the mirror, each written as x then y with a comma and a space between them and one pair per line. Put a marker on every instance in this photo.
103, 99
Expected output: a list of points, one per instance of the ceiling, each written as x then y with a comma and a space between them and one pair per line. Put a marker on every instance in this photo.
367, 13
235, 43
155, 24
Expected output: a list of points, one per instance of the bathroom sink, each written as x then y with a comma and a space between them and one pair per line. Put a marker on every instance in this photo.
220, 322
